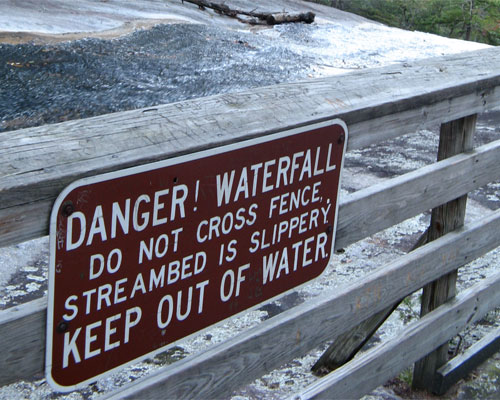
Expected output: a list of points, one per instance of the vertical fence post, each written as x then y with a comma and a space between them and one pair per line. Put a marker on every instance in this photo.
455, 137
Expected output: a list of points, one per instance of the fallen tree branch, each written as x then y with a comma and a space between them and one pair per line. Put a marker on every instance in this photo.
269, 18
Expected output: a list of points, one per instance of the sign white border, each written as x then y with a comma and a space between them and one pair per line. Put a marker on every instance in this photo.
150, 167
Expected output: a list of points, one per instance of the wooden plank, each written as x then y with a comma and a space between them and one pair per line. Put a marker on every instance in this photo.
28, 221
346, 346
380, 206
378, 365
223, 368
37, 163
455, 137
361, 214
460, 366
22, 340
485, 156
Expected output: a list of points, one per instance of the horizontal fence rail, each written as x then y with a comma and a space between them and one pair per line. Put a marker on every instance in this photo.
394, 195
380, 206
297, 331
382, 363
377, 104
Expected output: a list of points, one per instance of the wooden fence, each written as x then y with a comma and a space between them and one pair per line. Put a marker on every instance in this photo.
376, 104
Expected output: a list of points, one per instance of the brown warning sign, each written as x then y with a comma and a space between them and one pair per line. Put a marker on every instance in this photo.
143, 257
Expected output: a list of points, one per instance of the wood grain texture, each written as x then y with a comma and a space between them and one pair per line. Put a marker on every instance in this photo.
380, 206
377, 104
37, 163
361, 214
223, 368
460, 366
455, 137
480, 166
346, 346
22, 340
378, 365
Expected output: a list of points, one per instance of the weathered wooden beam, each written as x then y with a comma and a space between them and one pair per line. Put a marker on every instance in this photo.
345, 347
361, 214
380, 206
293, 333
23, 329
378, 365
393, 194
460, 366
377, 104
455, 137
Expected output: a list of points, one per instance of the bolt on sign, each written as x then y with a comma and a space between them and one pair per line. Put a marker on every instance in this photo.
143, 257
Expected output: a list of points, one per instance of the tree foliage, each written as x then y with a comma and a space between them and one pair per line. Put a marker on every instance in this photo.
476, 20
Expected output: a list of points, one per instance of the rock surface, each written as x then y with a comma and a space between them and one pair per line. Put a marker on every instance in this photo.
60, 62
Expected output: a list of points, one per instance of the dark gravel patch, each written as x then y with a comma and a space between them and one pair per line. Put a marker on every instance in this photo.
43, 84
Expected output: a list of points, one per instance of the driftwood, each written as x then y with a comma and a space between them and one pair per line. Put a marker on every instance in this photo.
252, 17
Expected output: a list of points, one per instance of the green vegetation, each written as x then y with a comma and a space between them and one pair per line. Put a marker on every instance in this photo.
407, 376
408, 309
476, 20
